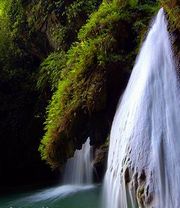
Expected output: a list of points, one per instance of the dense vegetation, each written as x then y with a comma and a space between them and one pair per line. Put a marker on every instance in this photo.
24, 44
64, 65
94, 75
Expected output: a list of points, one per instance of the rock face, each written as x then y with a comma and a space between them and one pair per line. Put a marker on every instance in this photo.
99, 162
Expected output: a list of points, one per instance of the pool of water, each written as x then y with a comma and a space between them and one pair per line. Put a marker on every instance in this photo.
67, 196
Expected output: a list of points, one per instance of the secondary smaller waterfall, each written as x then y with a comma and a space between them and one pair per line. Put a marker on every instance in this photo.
78, 177
79, 169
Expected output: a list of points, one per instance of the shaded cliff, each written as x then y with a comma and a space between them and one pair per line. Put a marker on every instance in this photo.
27, 37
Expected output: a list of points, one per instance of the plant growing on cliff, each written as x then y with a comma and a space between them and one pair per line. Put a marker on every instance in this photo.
60, 19
50, 70
61, 22
108, 38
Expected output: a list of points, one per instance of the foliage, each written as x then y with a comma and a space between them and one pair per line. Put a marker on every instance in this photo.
29, 31
50, 70
173, 9
60, 19
82, 88
63, 20
80, 7
18, 96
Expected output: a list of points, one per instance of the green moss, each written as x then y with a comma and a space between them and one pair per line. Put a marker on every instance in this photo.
108, 38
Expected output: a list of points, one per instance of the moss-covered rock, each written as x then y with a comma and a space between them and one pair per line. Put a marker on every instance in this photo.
93, 78
59, 20
172, 7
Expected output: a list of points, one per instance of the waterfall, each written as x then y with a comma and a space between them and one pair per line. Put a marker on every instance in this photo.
78, 169
144, 154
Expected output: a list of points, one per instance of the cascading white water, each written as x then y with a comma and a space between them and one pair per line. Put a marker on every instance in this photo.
144, 153
79, 169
